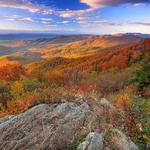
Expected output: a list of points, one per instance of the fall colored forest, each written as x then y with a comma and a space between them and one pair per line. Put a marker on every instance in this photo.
119, 73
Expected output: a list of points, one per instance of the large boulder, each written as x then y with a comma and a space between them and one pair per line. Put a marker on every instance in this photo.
46, 127
61, 126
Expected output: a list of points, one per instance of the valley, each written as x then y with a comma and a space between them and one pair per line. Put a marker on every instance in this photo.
74, 74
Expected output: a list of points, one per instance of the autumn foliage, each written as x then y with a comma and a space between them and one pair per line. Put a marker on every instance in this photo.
102, 73
11, 72
17, 106
124, 103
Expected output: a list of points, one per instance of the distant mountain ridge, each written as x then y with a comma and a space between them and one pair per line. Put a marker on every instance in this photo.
34, 36
92, 44
41, 46
24, 36
141, 35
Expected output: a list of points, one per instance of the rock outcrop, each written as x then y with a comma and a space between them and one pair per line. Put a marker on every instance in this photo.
59, 127
94, 141
115, 139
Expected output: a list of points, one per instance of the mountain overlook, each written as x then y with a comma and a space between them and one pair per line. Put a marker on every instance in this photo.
75, 92
74, 74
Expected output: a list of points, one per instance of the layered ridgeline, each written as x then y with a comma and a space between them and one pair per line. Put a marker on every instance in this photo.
30, 48
48, 77
65, 46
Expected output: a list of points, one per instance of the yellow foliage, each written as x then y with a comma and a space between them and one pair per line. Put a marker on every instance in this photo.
17, 89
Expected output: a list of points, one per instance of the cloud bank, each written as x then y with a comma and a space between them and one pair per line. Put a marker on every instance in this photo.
25, 5
107, 3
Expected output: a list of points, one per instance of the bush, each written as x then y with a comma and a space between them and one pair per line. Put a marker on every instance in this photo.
124, 102
17, 106
17, 89
113, 80
31, 84
4, 92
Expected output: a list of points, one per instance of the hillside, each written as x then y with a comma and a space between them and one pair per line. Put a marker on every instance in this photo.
90, 45
29, 50
71, 83
103, 60
71, 46
74, 74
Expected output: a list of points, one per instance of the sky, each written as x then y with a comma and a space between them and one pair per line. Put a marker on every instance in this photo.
75, 16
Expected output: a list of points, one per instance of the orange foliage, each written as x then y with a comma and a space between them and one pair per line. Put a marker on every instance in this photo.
11, 72
56, 77
17, 106
132, 89
2, 114
124, 103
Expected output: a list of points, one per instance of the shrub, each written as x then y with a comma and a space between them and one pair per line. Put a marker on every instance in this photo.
4, 92
17, 106
17, 89
124, 102
31, 84
113, 80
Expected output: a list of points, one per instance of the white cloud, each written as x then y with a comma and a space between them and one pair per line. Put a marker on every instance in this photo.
97, 23
105, 3
77, 14
36, 8
26, 19
19, 18
24, 5
64, 22
46, 19
143, 23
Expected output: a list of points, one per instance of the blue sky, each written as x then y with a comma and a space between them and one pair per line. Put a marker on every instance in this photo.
75, 16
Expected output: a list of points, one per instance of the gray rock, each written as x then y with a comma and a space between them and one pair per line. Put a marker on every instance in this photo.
57, 126
8, 122
4, 119
45, 127
105, 103
132, 146
94, 141
117, 140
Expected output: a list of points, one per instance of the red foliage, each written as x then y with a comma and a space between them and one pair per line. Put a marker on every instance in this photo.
17, 106
118, 60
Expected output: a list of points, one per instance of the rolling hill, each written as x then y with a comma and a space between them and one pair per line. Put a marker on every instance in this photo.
99, 60
87, 46
28, 50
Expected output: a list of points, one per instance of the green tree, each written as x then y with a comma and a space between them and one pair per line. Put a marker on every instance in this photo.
142, 76
31, 84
